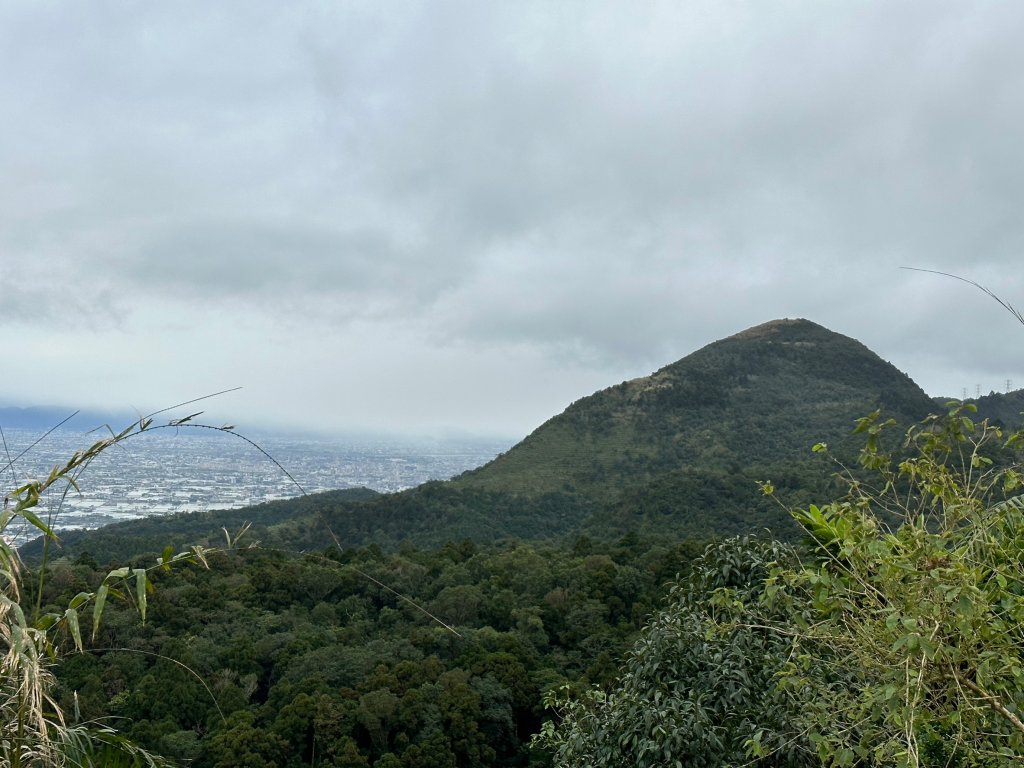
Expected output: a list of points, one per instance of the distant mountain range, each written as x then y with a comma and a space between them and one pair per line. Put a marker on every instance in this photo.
42, 418
680, 452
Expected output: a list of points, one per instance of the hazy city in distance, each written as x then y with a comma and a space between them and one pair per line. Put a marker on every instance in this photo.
176, 471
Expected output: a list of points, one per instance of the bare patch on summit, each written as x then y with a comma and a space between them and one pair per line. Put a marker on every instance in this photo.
770, 328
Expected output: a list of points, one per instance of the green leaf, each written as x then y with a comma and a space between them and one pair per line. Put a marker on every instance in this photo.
118, 573
34, 520
47, 620
71, 615
78, 599
97, 609
141, 582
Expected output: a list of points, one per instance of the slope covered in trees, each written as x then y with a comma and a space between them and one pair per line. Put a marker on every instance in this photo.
761, 397
1006, 408
682, 450
354, 658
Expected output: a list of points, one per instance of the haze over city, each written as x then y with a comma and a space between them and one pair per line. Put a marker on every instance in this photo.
422, 217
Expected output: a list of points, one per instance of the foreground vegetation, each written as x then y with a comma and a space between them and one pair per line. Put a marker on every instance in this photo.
895, 637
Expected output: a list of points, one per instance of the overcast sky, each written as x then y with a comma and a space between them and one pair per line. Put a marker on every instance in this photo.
465, 215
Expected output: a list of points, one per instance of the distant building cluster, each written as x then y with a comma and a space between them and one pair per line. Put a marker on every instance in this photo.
162, 474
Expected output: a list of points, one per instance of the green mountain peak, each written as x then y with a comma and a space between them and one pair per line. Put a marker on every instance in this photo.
758, 398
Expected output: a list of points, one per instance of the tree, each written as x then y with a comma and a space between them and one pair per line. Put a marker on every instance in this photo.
691, 694
241, 744
895, 638
908, 617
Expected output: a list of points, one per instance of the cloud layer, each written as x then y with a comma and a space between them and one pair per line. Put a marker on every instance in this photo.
423, 214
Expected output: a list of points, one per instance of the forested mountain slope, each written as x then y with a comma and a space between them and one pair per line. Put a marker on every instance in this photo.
1004, 408
685, 446
680, 451
762, 396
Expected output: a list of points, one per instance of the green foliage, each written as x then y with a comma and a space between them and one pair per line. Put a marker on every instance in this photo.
1003, 409
400, 656
38, 726
33, 727
909, 616
894, 639
314, 662
692, 693
762, 396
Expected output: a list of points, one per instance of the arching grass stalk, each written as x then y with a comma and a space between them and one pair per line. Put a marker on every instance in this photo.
33, 728
991, 294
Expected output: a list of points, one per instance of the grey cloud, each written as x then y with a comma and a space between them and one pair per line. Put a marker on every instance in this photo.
57, 305
609, 185
256, 260
836, 136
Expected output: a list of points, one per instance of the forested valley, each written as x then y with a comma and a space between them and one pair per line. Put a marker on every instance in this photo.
359, 657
